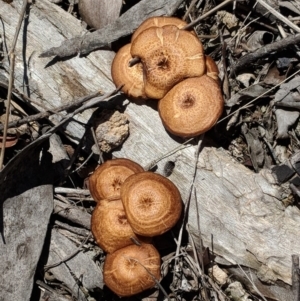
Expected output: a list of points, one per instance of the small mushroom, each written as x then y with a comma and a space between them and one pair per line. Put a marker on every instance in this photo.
211, 68
130, 270
158, 22
192, 107
152, 203
168, 55
130, 77
110, 227
106, 181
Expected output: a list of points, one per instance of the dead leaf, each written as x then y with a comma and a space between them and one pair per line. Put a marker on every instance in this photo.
258, 39
285, 119
246, 94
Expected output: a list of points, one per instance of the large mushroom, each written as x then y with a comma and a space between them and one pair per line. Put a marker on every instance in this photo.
106, 181
130, 77
158, 21
132, 269
152, 203
168, 55
192, 107
110, 227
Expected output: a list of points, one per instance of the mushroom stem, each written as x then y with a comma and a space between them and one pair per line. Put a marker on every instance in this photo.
134, 61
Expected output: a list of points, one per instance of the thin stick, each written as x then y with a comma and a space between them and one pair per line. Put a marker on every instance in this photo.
190, 194
134, 61
252, 57
100, 159
151, 275
253, 100
47, 267
11, 79
215, 9
50, 112
278, 15
295, 278
253, 284
189, 9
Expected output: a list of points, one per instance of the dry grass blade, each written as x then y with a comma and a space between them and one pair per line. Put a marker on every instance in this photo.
152, 276
253, 284
11, 79
187, 203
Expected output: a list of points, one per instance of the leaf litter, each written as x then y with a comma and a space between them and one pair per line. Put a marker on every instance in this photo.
259, 68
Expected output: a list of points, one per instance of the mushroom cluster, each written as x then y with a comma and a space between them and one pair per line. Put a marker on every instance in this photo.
133, 206
173, 69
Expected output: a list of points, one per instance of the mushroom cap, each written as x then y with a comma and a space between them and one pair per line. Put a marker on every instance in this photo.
211, 68
158, 22
152, 203
128, 271
107, 179
168, 55
110, 227
130, 77
192, 107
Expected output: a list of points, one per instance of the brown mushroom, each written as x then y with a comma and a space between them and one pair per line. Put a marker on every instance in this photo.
168, 55
152, 203
130, 77
110, 227
107, 179
131, 270
211, 68
158, 22
192, 107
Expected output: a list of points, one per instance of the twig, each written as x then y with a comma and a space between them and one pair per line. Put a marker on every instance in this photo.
54, 294
71, 191
253, 284
256, 98
189, 9
187, 203
50, 112
151, 275
295, 278
134, 61
11, 79
150, 165
215, 9
72, 213
226, 80
100, 159
83, 163
278, 15
291, 104
47, 267
263, 52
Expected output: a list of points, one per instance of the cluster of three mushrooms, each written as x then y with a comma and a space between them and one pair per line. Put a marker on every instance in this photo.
174, 69
132, 206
